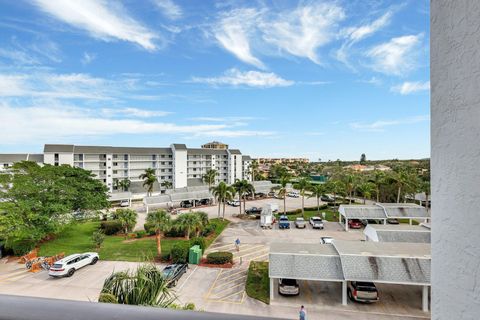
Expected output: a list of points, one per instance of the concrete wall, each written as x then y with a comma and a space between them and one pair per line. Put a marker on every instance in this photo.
455, 103
179, 168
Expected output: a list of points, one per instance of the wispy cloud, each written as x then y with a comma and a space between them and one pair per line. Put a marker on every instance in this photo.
235, 77
411, 87
54, 122
103, 20
381, 125
300, 32
87, 58
169, 8
397, 56
223, 119
134, 112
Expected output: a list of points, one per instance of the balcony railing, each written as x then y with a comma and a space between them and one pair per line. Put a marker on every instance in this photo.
30, 308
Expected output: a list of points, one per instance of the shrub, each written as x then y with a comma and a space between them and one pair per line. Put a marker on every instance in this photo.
149, 229
97, 238
200, 241
179, 253
140, 234
220, 257
111, 227
175, 233
208, 229
20, 247
107, 298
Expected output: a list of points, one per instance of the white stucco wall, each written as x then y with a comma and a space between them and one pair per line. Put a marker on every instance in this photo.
455, 83
63, 158
179, 168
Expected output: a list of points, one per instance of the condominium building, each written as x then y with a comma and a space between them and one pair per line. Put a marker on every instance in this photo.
177, 164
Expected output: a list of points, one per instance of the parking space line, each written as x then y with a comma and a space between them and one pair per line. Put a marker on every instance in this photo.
213, 285
183, 284
223, 284
260, 256
232, 274
11, 274
246, 255
243, 290
250, 248
229, 288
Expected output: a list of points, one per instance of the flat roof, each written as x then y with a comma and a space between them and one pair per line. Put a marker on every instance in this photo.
384, 211
399, 227
58, 148
204, 151
303, 249
362, 212
383, 249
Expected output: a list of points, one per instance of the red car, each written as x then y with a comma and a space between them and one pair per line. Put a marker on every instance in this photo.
354, 224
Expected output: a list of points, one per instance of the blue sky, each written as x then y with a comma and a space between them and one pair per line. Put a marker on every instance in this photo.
316, 79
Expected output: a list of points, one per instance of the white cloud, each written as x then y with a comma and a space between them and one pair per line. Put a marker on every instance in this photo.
381, 125
169, 9
60, 122
397, 56
12, 85
233, 33
88, 58
134, 112
299, 32
223, 119
236, 77
411, 87
102, 19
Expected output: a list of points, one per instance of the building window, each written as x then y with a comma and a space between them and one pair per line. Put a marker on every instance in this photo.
115, 171
170, 156
170, 162
125, 156
163, 170
163, 163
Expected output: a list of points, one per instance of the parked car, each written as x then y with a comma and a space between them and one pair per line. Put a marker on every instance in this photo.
393, 221
271, 194
204, 202
293, 194
326, 240
186, 204
234, 203
173, 272
326, 198
355, 224
253, 210
67, 266
288, 287
125, 203
316, 222
283, 223
278, 196
362, 291
300, 223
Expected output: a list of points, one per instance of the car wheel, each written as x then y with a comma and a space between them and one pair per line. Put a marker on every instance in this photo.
70, 272
349, 293
95, 260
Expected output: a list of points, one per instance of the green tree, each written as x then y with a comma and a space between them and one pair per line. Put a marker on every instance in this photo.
282, 189
166, 184
125, 184
243, 187
363, 158
39, 200
302, 185
366, 188
349, 182
378, 179
189, 222
97, 238
317, 191
223, 193
401, 179
160, 222
254, 169
335, 187
149, 180
209, 177
127, 218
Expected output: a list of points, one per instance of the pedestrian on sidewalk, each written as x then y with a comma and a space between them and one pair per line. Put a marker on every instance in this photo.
237, 244
303, 313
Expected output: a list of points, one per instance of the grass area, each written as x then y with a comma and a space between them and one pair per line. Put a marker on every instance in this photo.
77, 238
258, 286
330, 215
414, 222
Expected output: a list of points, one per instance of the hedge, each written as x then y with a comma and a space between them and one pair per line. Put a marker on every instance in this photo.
200, 241
179, 253
20, 247
111, 227
220, 257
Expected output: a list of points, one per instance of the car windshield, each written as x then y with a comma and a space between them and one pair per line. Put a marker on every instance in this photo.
289, 282
300, 219
168, 271
317, 220
365, 286
283, 219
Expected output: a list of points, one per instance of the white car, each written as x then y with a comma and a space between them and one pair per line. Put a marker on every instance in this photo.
234, 203
293, 194
125, 203
316, 222
67, 266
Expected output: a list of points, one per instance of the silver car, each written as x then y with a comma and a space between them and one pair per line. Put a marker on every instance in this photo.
316, 222
300, 223
288, 287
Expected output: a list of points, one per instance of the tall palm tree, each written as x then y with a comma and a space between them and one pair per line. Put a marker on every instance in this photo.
127, 218
209, 177
401, 179
335, 187
242, 187
166, 184
378, 179
117, 184
317, 191
125, 184
254, 168
189, 222
282, 189
302, 185
349, 182
160, 222
149, 179
223, 193
366, 189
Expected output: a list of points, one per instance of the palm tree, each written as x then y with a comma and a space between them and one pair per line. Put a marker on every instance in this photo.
349, 181
223, 193
401, 180
127, 218
282, 189
117, 184
166, 184
160, 222
242, 187
378, 179
302, 185
125, 184
203, 216
254, 168
144, 286
366, 189
317, 191
335, 187
149, 179
209, 177
188, 222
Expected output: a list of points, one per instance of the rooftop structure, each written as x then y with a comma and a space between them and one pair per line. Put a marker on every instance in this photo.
397, 233
215, 145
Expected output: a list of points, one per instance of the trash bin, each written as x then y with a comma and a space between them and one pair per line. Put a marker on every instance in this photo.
194, 255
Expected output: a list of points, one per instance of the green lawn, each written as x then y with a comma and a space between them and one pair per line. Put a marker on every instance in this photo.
77, 238
258, 286
330, 215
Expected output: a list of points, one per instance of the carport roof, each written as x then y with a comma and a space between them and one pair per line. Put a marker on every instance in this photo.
404, 210
303, 249
118, 196
362, 212
397, 233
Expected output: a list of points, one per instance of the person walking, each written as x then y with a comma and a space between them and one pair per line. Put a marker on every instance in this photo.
237, 244
303, 313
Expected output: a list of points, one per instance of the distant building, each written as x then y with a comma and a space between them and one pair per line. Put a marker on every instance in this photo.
215, 145
365, 168
284, 161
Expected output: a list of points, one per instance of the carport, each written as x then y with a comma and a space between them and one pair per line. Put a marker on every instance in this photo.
120, 196
377, 262
312, 262
162, 200
168, 200
397, 233
362, 212
408, 211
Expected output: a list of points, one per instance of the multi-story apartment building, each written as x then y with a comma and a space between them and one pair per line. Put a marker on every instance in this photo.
177, 164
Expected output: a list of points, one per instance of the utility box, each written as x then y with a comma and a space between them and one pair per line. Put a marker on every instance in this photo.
194, 255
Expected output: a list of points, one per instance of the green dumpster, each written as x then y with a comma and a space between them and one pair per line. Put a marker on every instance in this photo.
194, 255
